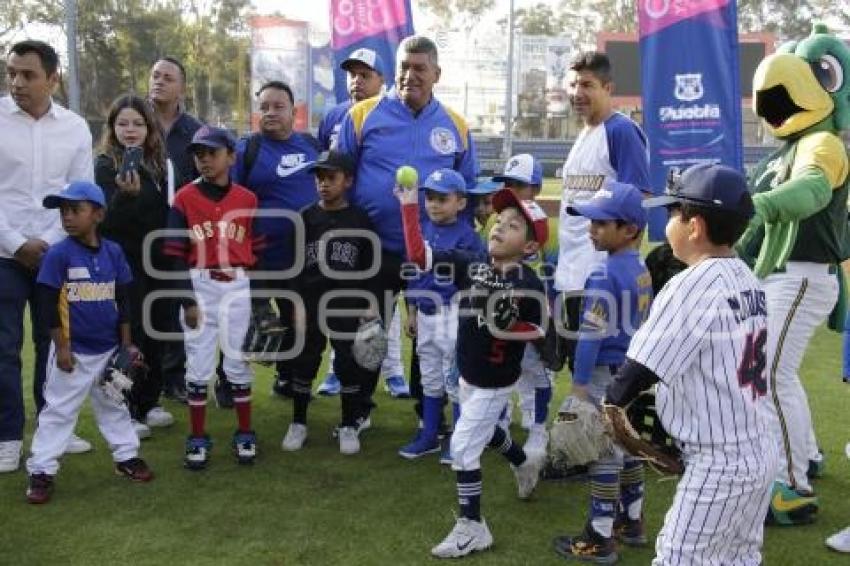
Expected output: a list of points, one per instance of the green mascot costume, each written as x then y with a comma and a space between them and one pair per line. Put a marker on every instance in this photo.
797, 239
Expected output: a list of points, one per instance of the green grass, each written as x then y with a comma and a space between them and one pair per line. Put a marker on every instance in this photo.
317, 507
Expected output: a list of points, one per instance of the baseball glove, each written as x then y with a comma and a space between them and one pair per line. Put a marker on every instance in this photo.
264, 337
638, 430
578, 434
504, 312
124, 368
370, 344
662, 266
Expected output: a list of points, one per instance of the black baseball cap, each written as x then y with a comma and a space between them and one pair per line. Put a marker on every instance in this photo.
710, 186
333, 160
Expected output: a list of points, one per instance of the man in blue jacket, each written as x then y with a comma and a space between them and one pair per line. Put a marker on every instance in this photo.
405, 126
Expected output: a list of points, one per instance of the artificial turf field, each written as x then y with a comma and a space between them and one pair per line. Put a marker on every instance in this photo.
317, 507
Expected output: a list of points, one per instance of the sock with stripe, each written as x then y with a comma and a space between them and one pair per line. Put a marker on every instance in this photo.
469, 494
507, 447
242, 405
631, 489
196, 394
604, 494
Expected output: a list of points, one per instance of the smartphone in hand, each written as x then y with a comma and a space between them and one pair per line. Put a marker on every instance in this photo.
131, 162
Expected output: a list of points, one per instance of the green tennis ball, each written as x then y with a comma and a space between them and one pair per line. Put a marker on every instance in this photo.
407, 177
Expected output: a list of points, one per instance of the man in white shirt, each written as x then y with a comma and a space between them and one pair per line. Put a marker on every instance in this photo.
42, 148
610, 147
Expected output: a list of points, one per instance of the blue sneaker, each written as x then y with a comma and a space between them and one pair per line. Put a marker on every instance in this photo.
330, 386
245, 446
446, 450
197, 452
420, 447
397, 387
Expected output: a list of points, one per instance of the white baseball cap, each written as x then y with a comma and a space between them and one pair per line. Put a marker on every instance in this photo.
368, 57
522, 168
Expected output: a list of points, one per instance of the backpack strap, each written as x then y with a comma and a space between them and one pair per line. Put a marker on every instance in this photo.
252, 150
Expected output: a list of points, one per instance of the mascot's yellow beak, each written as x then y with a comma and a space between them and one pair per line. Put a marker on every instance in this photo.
787, 95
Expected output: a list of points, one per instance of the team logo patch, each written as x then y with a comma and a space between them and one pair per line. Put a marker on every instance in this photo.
688, 87
78, 273
291, 163
443, 141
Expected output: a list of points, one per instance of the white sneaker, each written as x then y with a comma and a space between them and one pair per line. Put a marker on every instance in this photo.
142, 430
295, 437
159, 417
840, 541
466, 536
10, 455
538, 439
349, 442
77, 445
527, 475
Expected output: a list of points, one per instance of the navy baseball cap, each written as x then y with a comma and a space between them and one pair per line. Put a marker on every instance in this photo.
333, 160
79, 191
210, 136
445, 181
368, 57
520, 168
710, 186
615, 201
485, 186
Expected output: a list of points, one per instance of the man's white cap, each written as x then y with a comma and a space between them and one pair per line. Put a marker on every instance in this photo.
368, 57
518, 168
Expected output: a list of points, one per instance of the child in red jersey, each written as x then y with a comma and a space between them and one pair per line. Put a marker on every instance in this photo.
218, 249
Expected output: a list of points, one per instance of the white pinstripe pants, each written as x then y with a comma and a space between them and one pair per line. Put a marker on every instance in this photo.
717, 516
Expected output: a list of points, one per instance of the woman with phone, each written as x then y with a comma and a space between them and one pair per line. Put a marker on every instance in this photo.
131, 167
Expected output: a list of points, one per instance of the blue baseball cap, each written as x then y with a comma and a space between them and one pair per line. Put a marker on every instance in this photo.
210, 136
521, 168
365, 56
614, 201
710, 186
78, 191
485, 186
445, 181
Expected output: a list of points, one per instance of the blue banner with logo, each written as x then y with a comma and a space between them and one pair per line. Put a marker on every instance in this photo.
690, 86
379, 25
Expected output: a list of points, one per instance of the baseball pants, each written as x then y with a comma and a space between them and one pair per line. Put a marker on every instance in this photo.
798, 301
225, 315
717, 516
64, 394
436, 343
480, 411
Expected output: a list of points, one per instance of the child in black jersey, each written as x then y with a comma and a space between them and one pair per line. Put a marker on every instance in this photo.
501, 311
339, 248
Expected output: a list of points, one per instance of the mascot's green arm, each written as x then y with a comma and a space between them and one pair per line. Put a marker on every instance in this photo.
796, 199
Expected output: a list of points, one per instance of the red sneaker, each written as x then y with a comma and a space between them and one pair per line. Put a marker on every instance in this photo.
135, 468
40, 488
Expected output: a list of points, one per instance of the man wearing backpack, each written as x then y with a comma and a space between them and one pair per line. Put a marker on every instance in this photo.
273, 164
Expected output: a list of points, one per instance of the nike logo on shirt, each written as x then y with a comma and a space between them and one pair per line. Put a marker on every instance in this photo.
291, 163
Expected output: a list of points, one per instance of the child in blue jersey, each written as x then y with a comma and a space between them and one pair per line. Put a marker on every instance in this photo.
432, 312
501, 309
83, 283
616, 300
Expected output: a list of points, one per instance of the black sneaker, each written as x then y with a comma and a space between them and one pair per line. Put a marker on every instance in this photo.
223, 394
630, 532
589, 546
40, 488
135, 468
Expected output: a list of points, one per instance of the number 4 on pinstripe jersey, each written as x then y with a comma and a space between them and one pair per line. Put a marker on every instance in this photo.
751, 371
